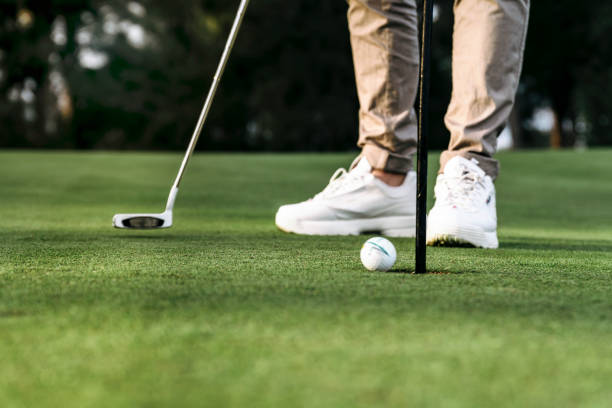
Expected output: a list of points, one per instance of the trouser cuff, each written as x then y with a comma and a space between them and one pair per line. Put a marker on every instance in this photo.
382, 159
488, 164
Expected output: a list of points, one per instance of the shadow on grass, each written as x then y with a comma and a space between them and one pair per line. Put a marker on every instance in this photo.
92, 236
411, 271
238, 239
145, 237
547, 244
229, 237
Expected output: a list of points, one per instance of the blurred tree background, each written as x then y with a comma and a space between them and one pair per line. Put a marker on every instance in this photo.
111, 74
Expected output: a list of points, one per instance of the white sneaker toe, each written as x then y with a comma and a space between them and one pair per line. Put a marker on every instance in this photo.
449, 228
296, 218
464, 213
353, 203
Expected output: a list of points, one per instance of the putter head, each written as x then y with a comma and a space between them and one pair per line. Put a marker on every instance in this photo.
143, 221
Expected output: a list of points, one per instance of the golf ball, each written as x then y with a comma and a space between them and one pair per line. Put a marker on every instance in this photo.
378, 254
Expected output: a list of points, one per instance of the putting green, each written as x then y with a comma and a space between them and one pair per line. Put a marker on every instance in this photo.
224, 310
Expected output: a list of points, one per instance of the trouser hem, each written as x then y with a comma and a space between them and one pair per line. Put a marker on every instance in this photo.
382, 159
488, 164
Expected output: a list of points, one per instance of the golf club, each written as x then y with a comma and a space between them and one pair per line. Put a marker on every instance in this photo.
164, 220
421, 220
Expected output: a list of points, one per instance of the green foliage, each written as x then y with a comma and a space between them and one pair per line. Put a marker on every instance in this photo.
290, 76
289, 84
568, 66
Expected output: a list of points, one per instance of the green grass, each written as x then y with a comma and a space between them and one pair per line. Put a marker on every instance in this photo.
224, 310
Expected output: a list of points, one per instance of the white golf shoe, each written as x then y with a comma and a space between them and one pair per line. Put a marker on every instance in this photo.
464, 213
353, 203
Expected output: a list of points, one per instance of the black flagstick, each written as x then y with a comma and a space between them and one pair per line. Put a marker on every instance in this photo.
421, 221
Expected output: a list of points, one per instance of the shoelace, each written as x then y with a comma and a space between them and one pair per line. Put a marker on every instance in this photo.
342, 180
462, 191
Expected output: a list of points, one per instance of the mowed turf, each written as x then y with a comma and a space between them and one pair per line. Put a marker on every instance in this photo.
223, 310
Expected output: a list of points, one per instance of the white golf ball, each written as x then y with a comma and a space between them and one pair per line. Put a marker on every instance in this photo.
378, 254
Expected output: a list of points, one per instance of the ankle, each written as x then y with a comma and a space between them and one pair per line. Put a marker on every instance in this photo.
391, 179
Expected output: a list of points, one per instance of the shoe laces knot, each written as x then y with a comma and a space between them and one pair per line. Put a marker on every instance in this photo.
462, 190
342, 181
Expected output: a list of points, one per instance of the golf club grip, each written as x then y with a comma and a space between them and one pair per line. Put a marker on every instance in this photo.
213, 89
421, 220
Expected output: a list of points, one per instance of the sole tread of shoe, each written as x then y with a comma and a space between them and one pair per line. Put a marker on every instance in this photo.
400, 227
450, 241
393, 233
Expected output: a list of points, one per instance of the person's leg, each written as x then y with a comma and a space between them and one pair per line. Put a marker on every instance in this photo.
384, 39
385, 49
488, 43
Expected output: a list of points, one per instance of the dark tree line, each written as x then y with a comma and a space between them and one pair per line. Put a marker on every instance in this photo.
133, 74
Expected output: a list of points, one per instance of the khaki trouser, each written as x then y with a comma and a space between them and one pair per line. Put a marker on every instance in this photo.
488, 43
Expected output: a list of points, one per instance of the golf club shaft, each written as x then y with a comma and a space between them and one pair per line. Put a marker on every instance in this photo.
421, 221
209, 99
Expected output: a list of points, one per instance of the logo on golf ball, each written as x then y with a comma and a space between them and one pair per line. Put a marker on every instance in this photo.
378, 254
